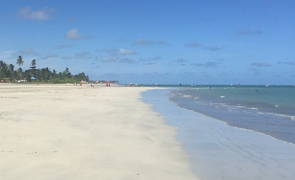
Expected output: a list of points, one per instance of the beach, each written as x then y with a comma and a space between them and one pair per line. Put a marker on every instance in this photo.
57, 132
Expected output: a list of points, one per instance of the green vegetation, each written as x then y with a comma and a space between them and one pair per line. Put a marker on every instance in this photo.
8, 73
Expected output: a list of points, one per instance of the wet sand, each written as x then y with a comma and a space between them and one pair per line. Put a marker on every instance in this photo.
218, 151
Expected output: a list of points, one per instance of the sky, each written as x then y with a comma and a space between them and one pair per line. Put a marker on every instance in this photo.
155, 41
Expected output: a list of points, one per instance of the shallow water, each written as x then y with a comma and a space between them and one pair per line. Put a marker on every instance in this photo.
266, 110
219, 151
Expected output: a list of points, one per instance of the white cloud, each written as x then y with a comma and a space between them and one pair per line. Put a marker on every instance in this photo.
144, 42
83, 55
193, 45
40, 14
6, 54
50, 56
290, 63
119, 51
63, 46
116, 59
209, 64
73, 34
203, 46
250, 32
27, 52
10, 56
126, 52
13, 54
117, 55
261, 64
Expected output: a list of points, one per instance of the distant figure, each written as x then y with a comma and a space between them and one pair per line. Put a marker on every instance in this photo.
108, 84
80, 83
92, 85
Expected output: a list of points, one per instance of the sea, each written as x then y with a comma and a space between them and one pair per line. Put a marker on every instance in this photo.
232, 132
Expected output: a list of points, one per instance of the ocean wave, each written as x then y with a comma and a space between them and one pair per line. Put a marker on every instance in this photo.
187, 96
290, 117
272, 118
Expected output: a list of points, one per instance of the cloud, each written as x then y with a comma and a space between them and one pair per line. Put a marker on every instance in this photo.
150, 59
144, 42
63, 46
119, 52
250, 32
107, 59
7, 54
26, 52
116, 59
212, 48
123, 55
260, 64
255, 71
83, 55
290, 63
180, 60
40, 14
50, 56
193, 45
11, 55
203, 46
209, 64
126, 52
66, 57
73, 34
150, 63
127, 59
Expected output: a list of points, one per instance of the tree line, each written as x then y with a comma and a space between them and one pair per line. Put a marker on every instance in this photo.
9, 73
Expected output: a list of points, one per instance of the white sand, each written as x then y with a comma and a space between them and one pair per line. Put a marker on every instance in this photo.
73, 133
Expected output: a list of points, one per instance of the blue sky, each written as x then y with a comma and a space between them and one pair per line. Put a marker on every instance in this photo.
149, 41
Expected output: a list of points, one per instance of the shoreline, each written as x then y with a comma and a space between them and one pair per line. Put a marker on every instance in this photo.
217, 150
68, 132
231, 124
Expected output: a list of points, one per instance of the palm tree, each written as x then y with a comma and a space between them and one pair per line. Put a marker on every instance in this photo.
33, 69
20, 61
67, 73
33, 64
19, 73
